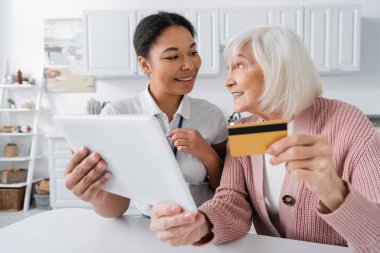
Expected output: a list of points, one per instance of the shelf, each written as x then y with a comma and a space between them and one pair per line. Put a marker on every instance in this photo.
17, 134
18, 185
17, 110
27, 91
17, 86
18, 159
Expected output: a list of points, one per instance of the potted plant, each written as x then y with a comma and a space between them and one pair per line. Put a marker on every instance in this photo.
11, 103
10, 150
42, 195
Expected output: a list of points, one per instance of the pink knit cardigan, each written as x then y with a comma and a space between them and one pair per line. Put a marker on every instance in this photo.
239, 199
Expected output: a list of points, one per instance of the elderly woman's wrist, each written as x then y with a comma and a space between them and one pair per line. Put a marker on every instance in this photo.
206, 234
336, 196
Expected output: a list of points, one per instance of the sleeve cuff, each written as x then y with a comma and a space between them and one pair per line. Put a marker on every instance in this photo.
323, 209
356, 219
207, 238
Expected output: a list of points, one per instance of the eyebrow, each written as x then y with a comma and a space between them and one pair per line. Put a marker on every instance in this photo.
243, 56
176, 48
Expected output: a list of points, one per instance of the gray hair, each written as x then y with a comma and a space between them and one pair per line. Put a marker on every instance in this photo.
291, 80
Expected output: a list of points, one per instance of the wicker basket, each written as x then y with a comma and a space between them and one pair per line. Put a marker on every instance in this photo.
11, 199
13, 176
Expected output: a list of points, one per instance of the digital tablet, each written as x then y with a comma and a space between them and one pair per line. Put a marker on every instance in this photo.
137, 152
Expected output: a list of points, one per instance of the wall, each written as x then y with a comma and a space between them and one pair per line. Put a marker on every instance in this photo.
21, 31
4, 32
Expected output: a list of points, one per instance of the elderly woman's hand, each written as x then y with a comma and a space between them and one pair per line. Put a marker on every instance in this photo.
177, 227
310, 159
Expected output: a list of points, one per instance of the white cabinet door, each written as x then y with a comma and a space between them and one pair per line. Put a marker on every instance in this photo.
318, 32
332, 36
236, 20
108, 43
346, 38
291, 16
207, 39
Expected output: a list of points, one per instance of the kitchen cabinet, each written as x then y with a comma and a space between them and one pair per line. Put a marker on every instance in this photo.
346, 38
291, 16
108, 43
236, 20
206, 23
318, 35
331, 33
332, 36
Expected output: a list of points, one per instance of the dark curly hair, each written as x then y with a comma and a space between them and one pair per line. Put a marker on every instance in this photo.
152, 26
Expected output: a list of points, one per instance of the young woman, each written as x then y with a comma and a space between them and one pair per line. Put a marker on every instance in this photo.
319, 184
167, 53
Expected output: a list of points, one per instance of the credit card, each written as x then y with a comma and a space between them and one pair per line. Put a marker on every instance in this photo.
255, 138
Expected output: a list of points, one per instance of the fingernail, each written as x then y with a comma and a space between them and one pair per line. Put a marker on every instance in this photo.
270, 150
94, 157
173, 208
187, 216
100, 165
107, 175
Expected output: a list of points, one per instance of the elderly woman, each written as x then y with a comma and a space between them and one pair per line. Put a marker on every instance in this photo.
321, 183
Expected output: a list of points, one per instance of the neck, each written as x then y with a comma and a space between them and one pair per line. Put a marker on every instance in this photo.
168, 103
270, 117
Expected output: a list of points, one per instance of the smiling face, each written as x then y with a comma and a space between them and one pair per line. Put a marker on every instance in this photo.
173, 62
245, 81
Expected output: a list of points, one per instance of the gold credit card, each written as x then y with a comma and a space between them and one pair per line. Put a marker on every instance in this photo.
255, 138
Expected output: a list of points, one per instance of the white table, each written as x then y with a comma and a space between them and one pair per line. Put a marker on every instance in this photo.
82, 230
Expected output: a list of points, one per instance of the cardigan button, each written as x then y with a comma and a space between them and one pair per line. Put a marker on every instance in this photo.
288, 200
